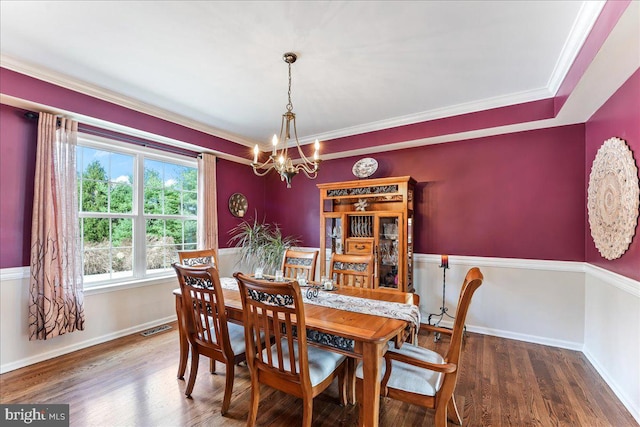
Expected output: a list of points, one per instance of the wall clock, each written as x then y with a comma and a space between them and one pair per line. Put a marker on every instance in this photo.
238, 205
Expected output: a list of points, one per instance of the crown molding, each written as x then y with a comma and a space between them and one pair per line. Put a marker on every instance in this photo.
440, 113
103, 124
66, 82
94, 91
453, 137
582, 26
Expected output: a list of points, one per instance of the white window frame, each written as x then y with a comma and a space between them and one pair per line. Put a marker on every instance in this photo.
140, 153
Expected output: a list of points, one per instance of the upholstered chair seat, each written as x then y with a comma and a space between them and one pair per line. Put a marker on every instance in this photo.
236, 336
411, 378
321, 363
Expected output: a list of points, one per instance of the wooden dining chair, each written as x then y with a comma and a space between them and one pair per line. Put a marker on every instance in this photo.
194, 258
299, 262
352, 270
275, 309
206, 326
423, 377
198, 257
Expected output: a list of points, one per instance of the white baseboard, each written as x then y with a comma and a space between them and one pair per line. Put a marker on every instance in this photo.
632, 407
569, 345
83, 344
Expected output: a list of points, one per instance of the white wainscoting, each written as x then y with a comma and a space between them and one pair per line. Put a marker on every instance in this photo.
563, 304
527, 300
612, 333
109, 314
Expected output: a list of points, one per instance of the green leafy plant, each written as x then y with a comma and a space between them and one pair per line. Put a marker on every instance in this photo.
261, 245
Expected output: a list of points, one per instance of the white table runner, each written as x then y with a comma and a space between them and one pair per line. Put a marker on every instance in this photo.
394, 310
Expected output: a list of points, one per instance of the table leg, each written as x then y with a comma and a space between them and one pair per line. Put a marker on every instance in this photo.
352, 364
371, 363
184, 345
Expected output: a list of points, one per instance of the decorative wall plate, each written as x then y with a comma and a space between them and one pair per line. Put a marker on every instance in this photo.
238, 205
364, 168
613, 198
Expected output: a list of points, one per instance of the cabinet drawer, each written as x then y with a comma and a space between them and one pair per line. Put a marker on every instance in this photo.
359, 246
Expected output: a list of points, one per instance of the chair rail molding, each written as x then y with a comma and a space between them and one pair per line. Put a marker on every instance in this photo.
614, 279
528, 264
626, 284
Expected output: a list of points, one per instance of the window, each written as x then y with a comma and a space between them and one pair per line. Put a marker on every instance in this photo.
138, 207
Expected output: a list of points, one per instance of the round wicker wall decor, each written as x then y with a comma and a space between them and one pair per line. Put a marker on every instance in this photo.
613, 198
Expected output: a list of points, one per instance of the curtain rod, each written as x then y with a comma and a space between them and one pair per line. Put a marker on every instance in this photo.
31, 115
92, 130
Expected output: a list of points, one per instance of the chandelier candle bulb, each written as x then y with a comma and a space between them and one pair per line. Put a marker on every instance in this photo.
256, 150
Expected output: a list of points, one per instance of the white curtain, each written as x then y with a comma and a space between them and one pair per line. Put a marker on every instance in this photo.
207, 203
56, 297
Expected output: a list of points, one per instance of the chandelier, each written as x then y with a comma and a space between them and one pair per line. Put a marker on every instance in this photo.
279, 158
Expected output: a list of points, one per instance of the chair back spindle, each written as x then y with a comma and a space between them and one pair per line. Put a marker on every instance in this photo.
295, 263
352, 270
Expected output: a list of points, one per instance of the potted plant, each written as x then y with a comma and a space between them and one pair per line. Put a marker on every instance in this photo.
261, 245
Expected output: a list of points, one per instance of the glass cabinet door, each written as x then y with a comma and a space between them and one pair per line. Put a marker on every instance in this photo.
333, 239
333, 234
409, 265
389, 251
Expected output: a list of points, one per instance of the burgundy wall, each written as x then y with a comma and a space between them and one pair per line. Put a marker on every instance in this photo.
619, 117
514, 196
17, 169
237, 178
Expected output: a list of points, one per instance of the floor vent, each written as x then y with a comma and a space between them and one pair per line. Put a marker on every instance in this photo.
155, 330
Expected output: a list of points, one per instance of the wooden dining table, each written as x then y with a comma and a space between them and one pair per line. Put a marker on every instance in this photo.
357, 335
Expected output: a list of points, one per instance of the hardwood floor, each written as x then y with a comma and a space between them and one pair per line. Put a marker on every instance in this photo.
132, 382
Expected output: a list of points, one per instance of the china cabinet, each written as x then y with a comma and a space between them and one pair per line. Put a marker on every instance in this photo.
371, 216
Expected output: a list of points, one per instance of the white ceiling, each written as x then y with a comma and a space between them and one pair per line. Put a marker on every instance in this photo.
217, 66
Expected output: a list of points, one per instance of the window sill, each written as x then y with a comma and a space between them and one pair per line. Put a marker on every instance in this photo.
23, 273
131, 284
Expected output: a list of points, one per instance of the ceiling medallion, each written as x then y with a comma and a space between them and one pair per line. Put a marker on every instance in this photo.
613, 198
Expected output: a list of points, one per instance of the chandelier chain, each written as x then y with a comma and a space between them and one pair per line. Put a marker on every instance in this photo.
289, 104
